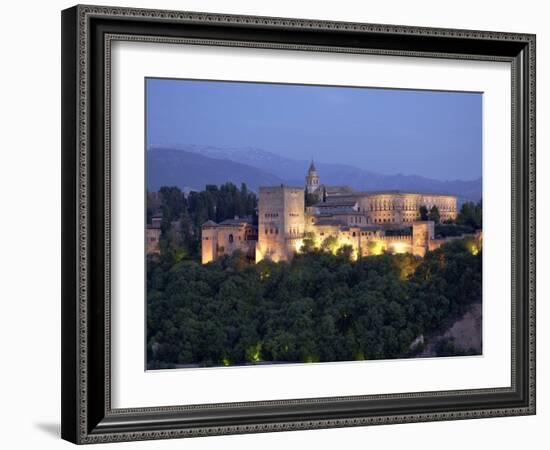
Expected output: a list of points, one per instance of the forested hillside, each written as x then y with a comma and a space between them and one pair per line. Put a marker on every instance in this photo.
321, 306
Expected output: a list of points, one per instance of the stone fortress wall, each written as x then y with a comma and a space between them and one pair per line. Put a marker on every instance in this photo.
226, 237
357, 219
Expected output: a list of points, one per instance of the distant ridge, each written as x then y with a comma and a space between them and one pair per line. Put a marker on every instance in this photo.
198, 165
169, 167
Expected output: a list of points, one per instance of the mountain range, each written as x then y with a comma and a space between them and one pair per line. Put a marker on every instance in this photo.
191, 167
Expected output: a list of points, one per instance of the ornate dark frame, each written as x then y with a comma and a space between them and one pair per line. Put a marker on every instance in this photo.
87, 31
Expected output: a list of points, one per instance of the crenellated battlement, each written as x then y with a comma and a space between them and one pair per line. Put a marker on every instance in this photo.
342, 217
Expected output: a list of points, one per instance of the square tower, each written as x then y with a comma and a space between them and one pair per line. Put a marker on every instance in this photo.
281, 222
422, 234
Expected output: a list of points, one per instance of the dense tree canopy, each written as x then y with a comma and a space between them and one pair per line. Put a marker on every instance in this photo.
423, 212
470, 215
468, 220
318, 307
324, 305
434, 214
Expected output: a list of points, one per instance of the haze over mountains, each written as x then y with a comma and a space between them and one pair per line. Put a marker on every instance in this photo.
191, 167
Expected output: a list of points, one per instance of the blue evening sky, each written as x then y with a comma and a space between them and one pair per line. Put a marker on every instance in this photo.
429, 133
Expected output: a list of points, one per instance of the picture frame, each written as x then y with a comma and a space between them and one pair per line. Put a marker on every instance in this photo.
87, 366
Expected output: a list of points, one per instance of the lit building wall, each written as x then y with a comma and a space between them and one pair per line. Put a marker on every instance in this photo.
209, 242
281, 222
357, 219
231, 238
152, 235
225, 238
403, 208
422, 234
153, 239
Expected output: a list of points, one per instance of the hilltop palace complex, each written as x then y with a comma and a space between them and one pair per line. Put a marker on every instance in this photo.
359, 219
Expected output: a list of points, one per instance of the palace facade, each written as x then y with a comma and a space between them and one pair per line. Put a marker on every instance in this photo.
369, 222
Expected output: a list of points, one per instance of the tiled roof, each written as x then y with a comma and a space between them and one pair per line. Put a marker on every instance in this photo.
238, 221
330, 222
337, 189
337, 211
286, 186
333, 203
399, 192
370, 228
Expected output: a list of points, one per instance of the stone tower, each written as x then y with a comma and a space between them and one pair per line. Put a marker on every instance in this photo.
422, 234
312, 179
281, 222
209, 244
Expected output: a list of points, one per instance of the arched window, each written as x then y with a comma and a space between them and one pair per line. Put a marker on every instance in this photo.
230, 238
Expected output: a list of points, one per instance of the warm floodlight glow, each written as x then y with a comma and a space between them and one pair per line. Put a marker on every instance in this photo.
400, 247
259, 255
375, 248
254, 353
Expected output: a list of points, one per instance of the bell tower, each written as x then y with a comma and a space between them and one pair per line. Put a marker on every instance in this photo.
312, 179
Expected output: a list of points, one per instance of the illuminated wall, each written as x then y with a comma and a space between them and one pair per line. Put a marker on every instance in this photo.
422, 233
281, 222
153, 238
357, 219
209, 242
403, 208
225, 239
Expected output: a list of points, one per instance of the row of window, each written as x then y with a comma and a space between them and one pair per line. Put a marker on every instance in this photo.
362, 233
277, 215
391, 207
230, 238
275, 230
354, 234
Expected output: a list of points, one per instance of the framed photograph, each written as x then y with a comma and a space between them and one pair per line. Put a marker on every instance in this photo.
278, 224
